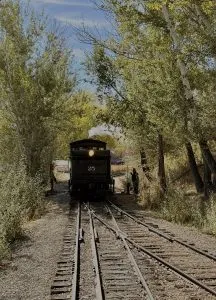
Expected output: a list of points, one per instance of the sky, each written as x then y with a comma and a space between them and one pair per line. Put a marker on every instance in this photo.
70, 13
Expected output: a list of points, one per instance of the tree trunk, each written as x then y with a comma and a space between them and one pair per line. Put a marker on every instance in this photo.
208, 156
210, 161
178, 50
194, 169
189, 95
207, 179
161, 166
144, 164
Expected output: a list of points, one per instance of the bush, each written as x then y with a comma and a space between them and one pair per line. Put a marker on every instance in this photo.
182, 208
21, 198
150, 194
210, 220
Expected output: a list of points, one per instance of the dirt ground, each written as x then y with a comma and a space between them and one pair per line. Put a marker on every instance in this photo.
29, 274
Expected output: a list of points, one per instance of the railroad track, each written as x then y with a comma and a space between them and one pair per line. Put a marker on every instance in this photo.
95, 265
110, 254
113, 266
189, 262
65, 271
120, 274
170, 237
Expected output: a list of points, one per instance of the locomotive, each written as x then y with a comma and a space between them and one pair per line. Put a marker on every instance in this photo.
90, 168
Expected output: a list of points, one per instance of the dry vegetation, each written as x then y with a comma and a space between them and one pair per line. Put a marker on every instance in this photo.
181, 204
118, 170
21, 199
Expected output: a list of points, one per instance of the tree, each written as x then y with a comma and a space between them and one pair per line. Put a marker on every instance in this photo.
79, 116
36, 79
165, 72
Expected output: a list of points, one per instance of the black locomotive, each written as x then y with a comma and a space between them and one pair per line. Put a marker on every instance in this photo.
90, 168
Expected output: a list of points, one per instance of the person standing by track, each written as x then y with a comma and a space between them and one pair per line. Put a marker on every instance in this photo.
52, 177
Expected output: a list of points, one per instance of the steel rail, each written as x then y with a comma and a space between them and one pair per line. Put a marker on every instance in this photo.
133, 261
143, 249
98, 280
166, 236
76, 257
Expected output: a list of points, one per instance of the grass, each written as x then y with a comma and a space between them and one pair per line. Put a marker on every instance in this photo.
210, 219
181, 204
118, 170
182, 207
21, 198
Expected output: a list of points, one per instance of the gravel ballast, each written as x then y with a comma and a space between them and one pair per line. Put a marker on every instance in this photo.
30, 273
183, 232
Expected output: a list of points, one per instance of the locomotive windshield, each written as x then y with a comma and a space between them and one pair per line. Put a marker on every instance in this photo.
88, 144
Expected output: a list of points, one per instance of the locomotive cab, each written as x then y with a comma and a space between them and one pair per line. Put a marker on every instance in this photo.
90, 171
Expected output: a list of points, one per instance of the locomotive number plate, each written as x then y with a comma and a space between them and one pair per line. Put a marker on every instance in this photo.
91, 168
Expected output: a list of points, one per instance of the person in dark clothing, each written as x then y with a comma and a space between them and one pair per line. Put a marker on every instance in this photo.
135, 181
52, 177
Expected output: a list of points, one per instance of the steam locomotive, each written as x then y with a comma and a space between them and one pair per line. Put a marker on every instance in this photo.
90, 168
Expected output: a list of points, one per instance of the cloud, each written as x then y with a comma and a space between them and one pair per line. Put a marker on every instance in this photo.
79, 22
65, 2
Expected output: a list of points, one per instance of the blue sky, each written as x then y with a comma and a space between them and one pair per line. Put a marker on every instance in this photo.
70, 13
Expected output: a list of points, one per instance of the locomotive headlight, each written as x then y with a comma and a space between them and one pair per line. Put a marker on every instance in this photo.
91, 153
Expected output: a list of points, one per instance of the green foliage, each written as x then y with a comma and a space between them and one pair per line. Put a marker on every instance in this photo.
36, 82
111, 141
155, 59
158, 76
101, 65
79, 116
35, 73
22, 198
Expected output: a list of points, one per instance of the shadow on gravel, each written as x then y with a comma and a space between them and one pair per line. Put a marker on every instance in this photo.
60, 196
128, 201
23, 239
98, 205
64, 201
